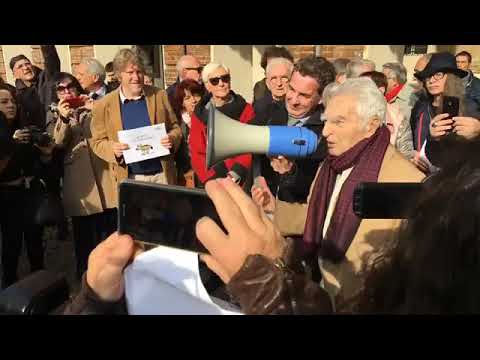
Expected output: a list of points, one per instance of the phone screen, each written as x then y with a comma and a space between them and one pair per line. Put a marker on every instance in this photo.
385, 200
75, 102
451, 105
156, 214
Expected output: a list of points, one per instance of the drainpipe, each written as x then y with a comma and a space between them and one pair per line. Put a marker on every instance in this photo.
318, 52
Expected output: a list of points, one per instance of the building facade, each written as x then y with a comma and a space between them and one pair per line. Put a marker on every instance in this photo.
243, 60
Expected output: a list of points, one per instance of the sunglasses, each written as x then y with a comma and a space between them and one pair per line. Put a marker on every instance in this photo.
197, 69
225, 79
62, 88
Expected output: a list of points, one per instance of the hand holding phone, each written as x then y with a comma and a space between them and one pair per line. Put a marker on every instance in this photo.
155, 214
75, 102
451, 106
440, 125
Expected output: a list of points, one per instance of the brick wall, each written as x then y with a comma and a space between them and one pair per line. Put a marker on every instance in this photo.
37, 57
78, 53
173, 52
300, 51
331, 52
3, 66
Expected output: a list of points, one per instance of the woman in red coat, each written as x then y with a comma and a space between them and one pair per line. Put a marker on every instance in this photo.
217, 82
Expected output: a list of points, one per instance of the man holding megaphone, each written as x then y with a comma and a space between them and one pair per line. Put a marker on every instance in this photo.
302, 108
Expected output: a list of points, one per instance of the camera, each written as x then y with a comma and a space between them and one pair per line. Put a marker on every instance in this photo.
53, 108
38, 136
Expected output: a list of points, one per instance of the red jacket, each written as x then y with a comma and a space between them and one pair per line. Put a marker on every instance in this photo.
198, 143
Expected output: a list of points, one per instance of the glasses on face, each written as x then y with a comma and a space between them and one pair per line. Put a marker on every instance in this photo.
225, 79
437, 76
197, 69
63, 88
282, 79
23, 65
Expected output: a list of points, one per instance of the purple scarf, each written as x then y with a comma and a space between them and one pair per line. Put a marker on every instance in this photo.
366, 157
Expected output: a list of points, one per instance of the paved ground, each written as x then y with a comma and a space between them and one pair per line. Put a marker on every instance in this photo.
59, 257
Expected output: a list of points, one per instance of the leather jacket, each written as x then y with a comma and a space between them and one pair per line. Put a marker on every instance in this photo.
261, 287
281, 287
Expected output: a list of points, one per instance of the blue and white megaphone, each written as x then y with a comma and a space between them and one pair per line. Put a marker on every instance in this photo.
227, 137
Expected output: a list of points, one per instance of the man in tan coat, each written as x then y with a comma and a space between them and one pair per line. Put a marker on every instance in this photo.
133, 105
359, 151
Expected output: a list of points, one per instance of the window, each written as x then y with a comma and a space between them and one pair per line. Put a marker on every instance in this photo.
415, 49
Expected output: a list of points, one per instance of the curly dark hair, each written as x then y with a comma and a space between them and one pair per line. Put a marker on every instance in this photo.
274, 52
188, 84
378, 78
109, 66
434, 265
318, 68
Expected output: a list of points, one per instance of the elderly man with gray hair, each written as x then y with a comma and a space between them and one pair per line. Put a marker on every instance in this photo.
342, 244
357, 67
91, 74
260, 266
278, 73
188, 67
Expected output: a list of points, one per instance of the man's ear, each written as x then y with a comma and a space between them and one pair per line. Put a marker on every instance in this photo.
373, 124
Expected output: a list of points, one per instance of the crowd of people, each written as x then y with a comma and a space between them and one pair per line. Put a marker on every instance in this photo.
293, 244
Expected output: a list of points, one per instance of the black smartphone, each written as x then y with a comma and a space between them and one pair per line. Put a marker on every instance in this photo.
451, 105
372, 200
155, 214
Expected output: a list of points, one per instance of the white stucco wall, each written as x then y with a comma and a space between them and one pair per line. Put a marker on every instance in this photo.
106, 53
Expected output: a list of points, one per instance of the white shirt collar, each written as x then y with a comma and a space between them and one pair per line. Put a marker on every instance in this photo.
123, 97
100, 92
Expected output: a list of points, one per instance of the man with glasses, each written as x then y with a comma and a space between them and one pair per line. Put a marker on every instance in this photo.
188, 67
34, 86
278, 73
34, 95
303, 108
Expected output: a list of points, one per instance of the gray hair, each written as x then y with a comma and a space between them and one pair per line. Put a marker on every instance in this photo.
181, 63
397, 70
211, 67
328, 92
340, 65
354, 67
279, 61
95, 67
370, 102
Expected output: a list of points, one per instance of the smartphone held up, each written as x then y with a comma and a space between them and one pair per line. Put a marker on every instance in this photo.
155, 214
76, 101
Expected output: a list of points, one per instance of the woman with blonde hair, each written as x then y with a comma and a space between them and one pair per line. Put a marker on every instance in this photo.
217, 80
